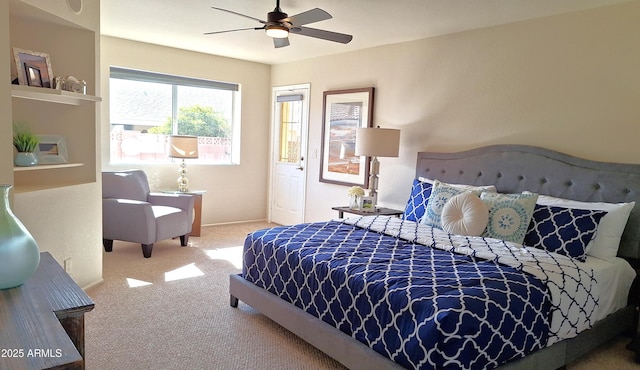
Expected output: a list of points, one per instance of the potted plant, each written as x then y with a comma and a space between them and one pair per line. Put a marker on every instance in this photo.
26, 143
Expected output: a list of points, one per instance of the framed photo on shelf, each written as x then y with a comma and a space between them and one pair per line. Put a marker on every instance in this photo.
52, 149
34, 68
367, 204
344, 111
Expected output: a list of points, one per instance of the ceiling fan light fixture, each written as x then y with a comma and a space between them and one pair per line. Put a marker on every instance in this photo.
279, 25
277, 32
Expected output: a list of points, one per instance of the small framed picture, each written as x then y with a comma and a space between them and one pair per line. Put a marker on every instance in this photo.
34, 77
52, 149
34, 68
367, 204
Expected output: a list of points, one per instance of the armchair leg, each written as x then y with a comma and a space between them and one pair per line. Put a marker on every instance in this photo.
108, 245
147, 249
184, 240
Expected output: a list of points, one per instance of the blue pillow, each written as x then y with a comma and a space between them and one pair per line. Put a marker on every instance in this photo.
417, 203
565, 231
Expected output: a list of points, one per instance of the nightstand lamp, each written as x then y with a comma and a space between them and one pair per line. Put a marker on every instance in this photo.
183, 146
376, 142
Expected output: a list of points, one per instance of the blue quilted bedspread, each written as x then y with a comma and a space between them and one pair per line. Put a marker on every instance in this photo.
422, 307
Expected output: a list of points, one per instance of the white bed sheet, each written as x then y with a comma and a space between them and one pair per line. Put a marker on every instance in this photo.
614, 278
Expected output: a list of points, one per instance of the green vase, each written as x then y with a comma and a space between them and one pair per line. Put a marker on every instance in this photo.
19, 254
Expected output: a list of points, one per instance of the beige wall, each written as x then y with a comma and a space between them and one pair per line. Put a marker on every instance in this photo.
569, 83
66, 222
6, 124
234, 192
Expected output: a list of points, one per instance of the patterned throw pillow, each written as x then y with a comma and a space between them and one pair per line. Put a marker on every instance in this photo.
509, 215
417, 203
440, 194
565, 231
607, 240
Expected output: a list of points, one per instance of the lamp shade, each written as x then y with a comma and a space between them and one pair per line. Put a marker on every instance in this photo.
183, 146
377, 142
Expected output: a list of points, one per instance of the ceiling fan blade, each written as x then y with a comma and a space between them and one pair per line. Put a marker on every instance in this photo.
239, 29
280, 43
310, 16
322, 34
240, 14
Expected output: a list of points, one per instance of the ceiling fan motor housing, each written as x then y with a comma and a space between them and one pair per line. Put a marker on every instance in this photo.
276, 16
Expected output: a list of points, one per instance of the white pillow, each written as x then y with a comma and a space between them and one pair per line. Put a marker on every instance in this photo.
465, 214
478, 189
607, 241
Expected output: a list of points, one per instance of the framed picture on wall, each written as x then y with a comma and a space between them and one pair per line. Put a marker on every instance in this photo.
343, 112
34, 69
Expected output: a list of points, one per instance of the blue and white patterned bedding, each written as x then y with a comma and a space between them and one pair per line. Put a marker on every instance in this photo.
397, 287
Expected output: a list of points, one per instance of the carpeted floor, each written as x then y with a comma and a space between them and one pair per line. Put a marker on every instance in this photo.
171, 311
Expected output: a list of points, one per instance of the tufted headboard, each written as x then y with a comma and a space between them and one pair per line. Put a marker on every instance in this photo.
514, 168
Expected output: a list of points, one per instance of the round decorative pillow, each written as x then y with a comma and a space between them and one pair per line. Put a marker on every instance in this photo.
465, 214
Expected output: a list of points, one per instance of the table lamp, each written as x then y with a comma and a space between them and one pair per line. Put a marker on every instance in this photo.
376, 142
183, 146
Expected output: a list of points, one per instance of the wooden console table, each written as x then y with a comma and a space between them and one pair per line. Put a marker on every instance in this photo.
42, 321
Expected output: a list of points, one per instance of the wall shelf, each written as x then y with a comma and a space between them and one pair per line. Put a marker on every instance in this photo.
51, 95
47, 167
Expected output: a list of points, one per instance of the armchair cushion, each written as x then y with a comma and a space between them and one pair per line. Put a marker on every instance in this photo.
171, 222
182, 201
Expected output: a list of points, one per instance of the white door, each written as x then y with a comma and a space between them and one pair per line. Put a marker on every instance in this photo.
288, 173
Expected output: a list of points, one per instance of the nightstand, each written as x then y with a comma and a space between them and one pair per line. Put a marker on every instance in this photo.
380, 211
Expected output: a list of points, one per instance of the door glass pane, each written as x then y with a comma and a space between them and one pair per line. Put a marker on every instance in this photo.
290, 131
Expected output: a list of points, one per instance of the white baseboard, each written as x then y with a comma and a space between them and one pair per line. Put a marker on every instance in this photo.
236, 222
95, 283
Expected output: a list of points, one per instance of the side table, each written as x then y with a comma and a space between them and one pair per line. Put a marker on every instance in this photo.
42, 321
196, 229
380, 211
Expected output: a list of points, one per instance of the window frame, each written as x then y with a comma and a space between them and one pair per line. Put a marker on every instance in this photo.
175, 81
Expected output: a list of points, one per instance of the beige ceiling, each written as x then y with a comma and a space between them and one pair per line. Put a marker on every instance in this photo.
181, 24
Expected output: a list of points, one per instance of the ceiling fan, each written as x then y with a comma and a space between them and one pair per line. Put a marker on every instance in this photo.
278, 26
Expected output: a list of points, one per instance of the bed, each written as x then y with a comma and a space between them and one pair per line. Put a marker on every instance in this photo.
596, 312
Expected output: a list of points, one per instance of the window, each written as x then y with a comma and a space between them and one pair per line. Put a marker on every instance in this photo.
146, 107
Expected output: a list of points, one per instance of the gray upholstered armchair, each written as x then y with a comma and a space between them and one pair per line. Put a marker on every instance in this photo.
131, 213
